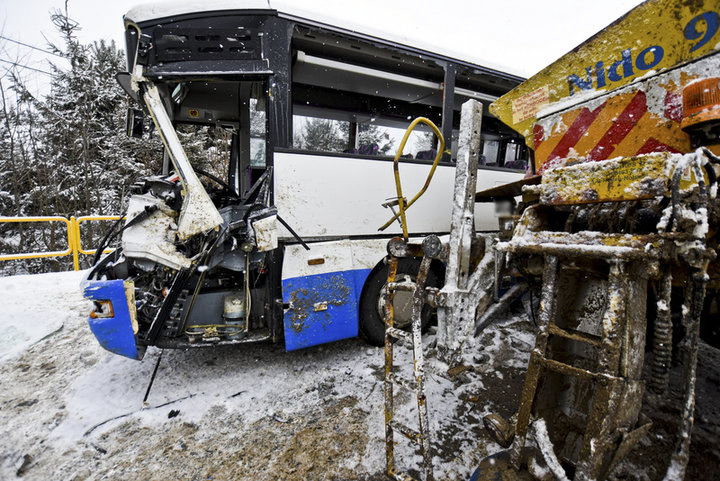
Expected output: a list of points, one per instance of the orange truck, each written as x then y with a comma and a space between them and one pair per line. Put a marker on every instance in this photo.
618, 225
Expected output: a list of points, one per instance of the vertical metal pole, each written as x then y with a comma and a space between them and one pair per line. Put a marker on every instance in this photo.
419, 366
448, 108
75, 241
692, 310
545, 318
278, 53
243, 139
352, 136
456, 319
389, 407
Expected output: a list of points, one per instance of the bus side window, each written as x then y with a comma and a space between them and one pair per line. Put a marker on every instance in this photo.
257, 132
490, 151
320, 134
514, 156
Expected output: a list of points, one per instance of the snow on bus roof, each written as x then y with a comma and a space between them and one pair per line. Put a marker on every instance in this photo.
159, 10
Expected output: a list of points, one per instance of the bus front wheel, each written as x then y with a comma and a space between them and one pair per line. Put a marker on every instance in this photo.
372, 304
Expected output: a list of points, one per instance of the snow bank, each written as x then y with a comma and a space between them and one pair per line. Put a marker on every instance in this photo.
34, 306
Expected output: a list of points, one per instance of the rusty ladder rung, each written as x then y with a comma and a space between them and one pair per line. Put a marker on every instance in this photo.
409, 433
609, 345
399, 334
575, 335
570, 370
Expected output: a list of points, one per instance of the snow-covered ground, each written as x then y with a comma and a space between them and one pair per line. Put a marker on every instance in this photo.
71, 411
26, 317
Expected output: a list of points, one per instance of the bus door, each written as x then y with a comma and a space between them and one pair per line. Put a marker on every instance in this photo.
321, 289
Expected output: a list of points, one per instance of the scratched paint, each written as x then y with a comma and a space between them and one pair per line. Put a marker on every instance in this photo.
321, 308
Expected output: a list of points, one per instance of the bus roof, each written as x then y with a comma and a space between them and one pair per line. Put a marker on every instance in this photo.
166, 9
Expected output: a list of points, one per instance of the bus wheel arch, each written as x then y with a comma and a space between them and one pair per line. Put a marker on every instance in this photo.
371, 306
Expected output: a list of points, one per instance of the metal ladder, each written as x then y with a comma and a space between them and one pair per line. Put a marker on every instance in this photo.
420, 437
614, 384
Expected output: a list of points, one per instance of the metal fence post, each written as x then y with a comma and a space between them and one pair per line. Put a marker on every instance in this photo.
74, 241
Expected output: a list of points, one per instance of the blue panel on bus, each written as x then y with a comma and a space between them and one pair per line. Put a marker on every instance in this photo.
114, 333
323, 307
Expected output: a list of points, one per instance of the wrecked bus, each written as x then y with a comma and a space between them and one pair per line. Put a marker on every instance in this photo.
277, 239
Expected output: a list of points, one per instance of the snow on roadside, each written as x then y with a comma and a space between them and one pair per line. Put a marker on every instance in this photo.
77, 412
34, 306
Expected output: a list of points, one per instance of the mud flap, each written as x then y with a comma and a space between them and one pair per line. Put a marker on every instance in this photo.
321, 291
113, 327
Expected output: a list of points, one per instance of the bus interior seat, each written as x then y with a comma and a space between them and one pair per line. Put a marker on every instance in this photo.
515, 164
369, 149
426, 154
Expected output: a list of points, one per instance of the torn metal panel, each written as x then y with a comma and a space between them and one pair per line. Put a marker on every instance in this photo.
198, 214
266, 233
152, 239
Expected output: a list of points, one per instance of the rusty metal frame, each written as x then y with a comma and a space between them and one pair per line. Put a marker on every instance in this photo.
616, 388
421, 437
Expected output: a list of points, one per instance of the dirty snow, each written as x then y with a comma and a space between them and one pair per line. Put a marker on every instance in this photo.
72, 411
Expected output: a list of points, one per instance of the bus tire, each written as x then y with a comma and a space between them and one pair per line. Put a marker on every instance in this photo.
371, 310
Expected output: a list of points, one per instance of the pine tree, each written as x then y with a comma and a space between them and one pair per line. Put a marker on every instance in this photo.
322, 135
87, 158
67, 154
424, 141
369, 134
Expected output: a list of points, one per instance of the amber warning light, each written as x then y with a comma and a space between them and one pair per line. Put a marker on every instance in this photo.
701, 113
701, 102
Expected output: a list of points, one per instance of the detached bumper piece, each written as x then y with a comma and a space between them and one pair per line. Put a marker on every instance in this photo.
113, 320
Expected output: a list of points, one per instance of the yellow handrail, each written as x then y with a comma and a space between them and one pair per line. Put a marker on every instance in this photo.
87, 218
401, 201
74, 240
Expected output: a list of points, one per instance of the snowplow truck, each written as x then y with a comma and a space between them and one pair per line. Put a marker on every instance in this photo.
618, 227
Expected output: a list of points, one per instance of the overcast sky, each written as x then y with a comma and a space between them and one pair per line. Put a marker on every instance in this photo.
521, 36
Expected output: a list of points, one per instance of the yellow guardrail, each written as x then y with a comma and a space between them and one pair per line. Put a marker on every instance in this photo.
74, 240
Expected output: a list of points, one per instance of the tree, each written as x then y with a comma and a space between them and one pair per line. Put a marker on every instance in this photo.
88, 160
369, 134
67, 154
424, 141
327, 135
323, 135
